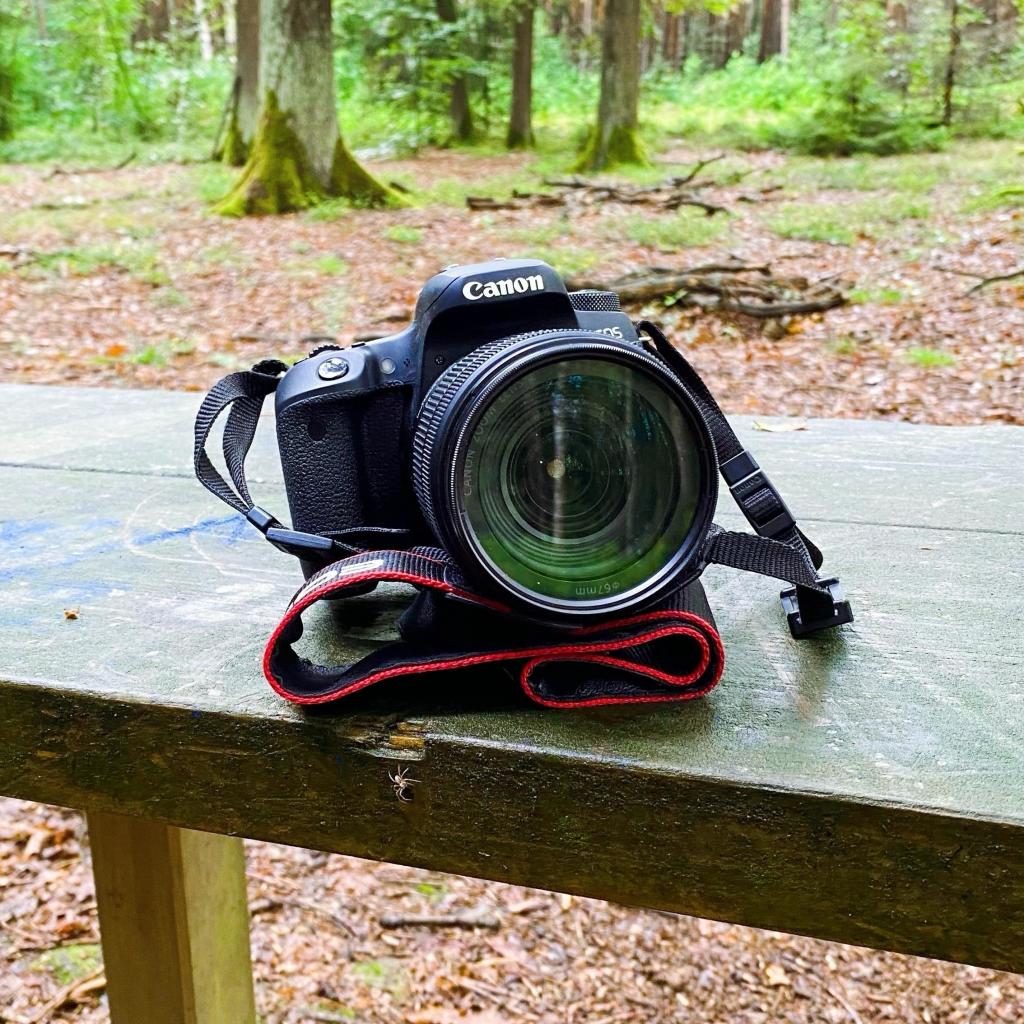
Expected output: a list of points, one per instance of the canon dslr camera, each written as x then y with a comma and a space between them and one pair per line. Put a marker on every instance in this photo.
524, 428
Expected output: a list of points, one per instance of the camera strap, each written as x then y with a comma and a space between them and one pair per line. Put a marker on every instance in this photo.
669, 653
778, 548
243, 393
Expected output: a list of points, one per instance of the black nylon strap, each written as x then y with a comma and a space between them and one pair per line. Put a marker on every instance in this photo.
669, 653
780, 549
783, 551
244, 392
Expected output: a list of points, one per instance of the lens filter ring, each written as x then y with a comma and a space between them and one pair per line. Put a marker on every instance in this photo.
569, 472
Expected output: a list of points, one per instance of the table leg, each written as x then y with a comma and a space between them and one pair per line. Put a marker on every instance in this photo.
174, 923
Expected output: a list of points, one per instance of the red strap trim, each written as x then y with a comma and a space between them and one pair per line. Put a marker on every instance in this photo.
604, 647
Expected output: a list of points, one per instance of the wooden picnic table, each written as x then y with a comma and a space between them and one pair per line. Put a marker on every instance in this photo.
865, 786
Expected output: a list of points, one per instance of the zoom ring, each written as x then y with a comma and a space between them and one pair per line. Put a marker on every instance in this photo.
435, 405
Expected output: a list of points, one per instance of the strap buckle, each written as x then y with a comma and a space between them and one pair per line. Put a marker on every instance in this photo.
809, 611
770, 516
291, 542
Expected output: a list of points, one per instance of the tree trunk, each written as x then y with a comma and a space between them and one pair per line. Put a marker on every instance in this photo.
735, 31
774, 30
459, 110
952, 55
203, 33
998, 32
898, 15
247, 68
717, 27
520, 122
298, 157
243, 110
155, 21
615, 138
670, 39
40, 9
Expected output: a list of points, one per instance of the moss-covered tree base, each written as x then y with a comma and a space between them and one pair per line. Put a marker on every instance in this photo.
516, 139
351, 180
234, 152
279, 178
621, 145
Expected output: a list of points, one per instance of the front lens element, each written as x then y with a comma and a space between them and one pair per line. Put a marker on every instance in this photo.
581, 479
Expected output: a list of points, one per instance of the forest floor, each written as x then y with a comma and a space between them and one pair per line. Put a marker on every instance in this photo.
123, 278
321, 954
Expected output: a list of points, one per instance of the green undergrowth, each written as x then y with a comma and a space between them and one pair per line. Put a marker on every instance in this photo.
876, 296
404, 234
385, 973
682, 229
159, 353
69, 963
141, 261
842, 223
929, 358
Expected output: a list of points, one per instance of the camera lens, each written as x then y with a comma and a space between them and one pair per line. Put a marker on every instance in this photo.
574, 474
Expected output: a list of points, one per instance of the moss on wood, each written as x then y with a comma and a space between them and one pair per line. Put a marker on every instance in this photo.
351, 180
516, 138
621, 145
235, 151
279, 178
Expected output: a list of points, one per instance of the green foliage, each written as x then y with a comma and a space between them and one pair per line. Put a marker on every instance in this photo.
103, 75
863, 86
330, 265
862, 102
69, 963
404, 234
385, 973
685, 228
879, 296
841, 223
929, 358
401, 55
568, 259
141, 261
86, 75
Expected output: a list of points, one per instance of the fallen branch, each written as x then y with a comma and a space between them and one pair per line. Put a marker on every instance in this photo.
697, 168
982, 280
69, 993
273, 902
477, 918
577, 192
732, 287
56, 171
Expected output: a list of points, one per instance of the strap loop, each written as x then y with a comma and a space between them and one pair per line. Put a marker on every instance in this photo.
243, 392
670, 653
780, 548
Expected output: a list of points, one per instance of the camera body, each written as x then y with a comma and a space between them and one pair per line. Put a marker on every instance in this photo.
346, 417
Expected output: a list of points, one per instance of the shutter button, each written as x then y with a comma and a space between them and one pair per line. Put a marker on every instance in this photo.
333, 369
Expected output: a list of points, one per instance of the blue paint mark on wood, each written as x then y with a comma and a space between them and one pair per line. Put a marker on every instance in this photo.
211, 525
16, 531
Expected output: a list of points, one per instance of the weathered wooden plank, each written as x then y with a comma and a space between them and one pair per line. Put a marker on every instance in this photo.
880, 874
867, 787
920, 700
839, 470
174, 922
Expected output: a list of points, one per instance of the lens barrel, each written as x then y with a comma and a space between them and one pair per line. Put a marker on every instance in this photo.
569, 472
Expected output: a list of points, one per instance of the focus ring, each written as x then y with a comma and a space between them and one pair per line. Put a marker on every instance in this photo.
446, 423
435, 405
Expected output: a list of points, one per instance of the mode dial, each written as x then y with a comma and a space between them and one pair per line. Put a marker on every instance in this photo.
592, 300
